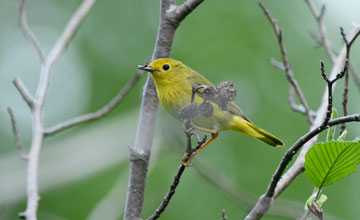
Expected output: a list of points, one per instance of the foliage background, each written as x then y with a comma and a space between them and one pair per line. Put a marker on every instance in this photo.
83, 171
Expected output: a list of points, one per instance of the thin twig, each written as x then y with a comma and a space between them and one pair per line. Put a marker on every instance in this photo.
38, 105
324, 41
15, 130
266, 200
25, 94
223, 215
170, 18
177, 177
186, 8
169, 195
291, 94
330, 84
298, 165
27, 31
346, 87
288, 70
99, 113
60, 45
319, 17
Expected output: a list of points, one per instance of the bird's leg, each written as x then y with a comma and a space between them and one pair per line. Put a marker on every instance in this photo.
186, 160
187, 126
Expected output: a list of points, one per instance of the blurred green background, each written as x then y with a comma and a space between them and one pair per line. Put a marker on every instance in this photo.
84, 170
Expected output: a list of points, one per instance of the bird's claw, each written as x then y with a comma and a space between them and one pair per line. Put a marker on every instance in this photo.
186, 160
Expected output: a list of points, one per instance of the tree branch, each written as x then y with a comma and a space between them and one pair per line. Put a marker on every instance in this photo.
99, 113
59, 47
27, 31
277, 185
177, 177
324, 41
266, 200
346, 87
319, 17
15, 130
288, 70
25, 94
170, 18
169, 195
38, 103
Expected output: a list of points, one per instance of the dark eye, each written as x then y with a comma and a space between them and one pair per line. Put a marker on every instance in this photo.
166, 67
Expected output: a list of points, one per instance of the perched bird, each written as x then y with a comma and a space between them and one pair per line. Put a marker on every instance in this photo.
175, 83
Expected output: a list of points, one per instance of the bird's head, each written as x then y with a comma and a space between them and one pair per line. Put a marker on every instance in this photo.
166, 70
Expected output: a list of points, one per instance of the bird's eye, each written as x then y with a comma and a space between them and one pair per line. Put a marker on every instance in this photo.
166, 67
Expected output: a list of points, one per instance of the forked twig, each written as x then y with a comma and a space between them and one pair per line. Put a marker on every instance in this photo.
346, 88
272, 192
36, 104
288, 70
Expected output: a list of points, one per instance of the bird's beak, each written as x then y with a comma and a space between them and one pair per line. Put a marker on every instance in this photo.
148, 68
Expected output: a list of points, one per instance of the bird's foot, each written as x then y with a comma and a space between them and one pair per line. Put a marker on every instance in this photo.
186, 160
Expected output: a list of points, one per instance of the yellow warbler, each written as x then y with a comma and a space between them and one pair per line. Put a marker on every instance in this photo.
175, 82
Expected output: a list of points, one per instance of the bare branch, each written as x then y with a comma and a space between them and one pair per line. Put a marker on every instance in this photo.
330, 89
25, 94
169, 195
59, 47
26, 30
277, 64
38, 104
15, 130
288, 70
170, 18
324, 41
265, 201
291, 96
99, 113
186, 8
319, 18
346, 88
298, 165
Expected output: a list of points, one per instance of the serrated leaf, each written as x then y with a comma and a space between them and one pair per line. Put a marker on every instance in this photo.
331, 131
326, 163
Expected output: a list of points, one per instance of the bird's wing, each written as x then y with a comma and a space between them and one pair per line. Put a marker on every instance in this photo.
197, 80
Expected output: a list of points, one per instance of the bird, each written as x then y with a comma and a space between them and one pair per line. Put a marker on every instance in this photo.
177, 86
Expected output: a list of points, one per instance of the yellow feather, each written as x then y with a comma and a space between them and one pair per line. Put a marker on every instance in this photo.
174, 82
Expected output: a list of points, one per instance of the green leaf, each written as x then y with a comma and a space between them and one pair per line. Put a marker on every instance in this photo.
331, 131
326, 163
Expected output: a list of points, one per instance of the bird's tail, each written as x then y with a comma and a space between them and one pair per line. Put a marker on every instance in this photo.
246, 127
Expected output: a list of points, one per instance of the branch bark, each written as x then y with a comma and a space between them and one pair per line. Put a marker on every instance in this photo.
170, 18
